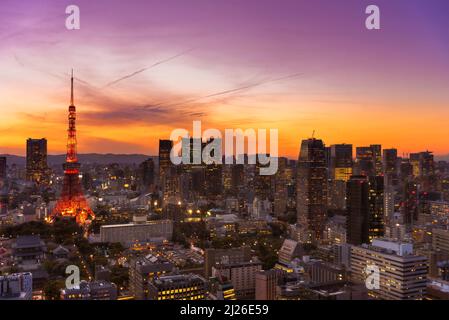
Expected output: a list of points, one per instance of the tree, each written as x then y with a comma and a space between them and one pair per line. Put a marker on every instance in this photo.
52, 290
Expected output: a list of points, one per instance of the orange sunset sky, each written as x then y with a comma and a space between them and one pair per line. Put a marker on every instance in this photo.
148, 67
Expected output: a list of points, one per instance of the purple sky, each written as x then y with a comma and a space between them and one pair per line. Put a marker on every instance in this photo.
351, 78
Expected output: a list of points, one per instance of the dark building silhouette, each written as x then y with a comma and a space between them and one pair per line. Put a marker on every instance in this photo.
369, 160
376, 227
357, 207
146, 174
165, 165
311, 184
341, 161
36, 160
2, 168
365, 209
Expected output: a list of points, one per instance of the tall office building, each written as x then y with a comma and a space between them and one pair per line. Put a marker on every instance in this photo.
311, 185
377, 158
165, 168
340, 170
390, 162
281, 188
357, 206
165, 147
376, 198
364, 162
341, 162
391, 176
369, 160
409, 205
365, 209
36, 160
423, 163
213, 180
402, 274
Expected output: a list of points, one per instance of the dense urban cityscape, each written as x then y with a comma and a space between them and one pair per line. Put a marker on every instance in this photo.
140, 227
312, 178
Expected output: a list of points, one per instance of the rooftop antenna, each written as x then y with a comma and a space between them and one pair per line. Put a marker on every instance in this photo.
313, 134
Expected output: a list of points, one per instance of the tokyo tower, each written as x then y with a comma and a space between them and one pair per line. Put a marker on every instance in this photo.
72, 202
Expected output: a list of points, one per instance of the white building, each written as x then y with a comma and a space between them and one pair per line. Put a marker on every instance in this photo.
402, 275
137, 232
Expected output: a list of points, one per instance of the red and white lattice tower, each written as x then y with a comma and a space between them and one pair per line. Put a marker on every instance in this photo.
71, 202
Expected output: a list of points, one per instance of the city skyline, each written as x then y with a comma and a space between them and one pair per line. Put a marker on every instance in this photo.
147, 68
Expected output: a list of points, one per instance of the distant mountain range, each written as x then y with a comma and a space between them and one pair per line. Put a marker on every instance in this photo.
108, 158
88, 158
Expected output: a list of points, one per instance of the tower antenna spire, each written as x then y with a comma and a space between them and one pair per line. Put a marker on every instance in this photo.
71, 91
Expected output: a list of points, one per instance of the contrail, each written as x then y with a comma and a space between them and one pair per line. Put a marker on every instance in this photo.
225, 92
147, 68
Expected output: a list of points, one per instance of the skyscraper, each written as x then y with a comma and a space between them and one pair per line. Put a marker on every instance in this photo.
311, 186
357, 207
376, 197
341, 162
365, 209
165, 147
340, 170
281, 188
377, 158
369, 160
391, 174
36, 160
390, 162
